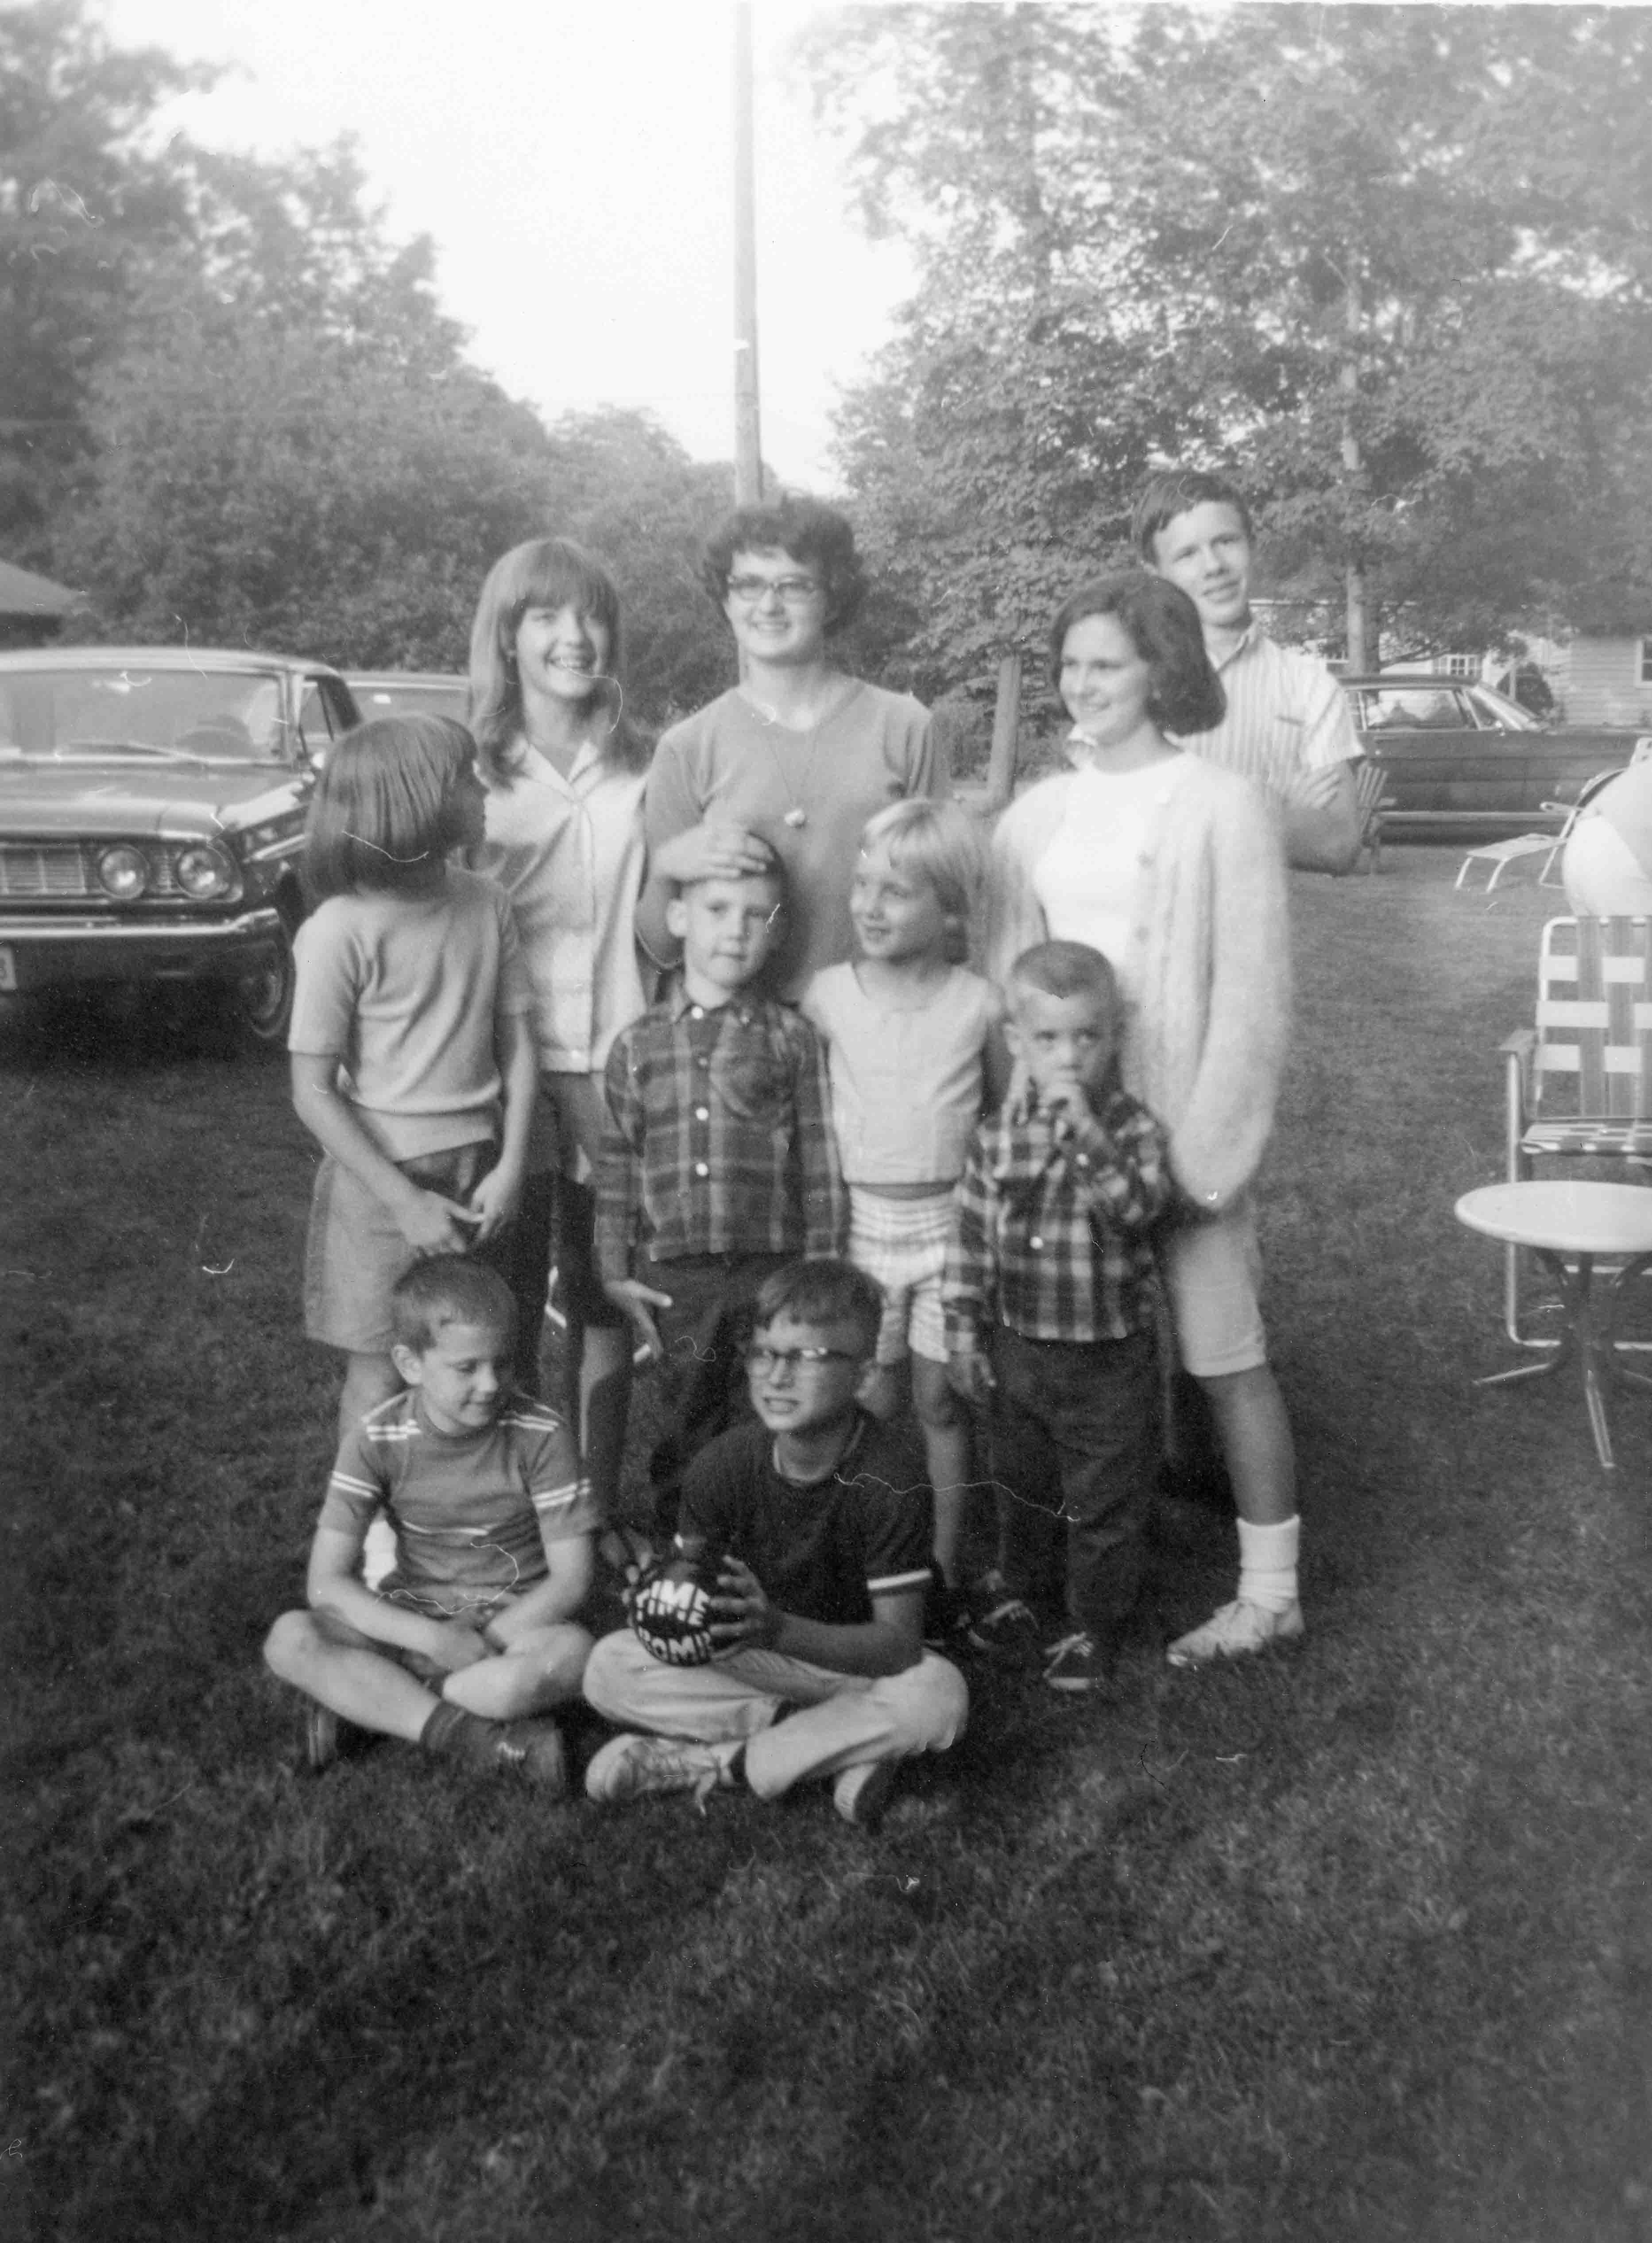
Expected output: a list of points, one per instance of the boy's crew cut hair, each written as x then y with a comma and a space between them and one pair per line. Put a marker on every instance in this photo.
552, 573
822, 1291
449, 1288
1066, 969
816, 536
939, 841
1178, 490
1183, 693
774, 872
385, 805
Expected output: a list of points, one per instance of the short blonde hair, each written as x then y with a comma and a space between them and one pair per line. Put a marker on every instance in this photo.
939, 841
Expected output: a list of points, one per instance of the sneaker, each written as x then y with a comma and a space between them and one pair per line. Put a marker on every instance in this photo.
1234, 1630
531, 1749
860, 1793
1009, 1625
635, 1767
320, 1738
1077, 1663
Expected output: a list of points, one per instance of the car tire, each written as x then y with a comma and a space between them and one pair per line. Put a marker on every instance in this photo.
263, 1000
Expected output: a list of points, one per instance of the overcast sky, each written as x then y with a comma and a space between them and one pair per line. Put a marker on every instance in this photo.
572, 160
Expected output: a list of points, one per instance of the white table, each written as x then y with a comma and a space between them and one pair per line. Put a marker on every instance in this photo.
1571, 1226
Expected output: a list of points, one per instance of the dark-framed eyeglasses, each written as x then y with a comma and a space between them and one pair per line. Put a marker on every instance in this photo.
764, 1360
752, 591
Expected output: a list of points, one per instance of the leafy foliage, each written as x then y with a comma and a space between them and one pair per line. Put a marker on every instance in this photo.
1391, 265
85, 203
236, 411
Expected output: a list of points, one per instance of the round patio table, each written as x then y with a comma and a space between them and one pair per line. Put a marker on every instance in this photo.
1570, 1226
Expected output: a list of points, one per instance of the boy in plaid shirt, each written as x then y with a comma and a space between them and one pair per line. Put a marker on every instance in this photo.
1049, 1300
718, 1166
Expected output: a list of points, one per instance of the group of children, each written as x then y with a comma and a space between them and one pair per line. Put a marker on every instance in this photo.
912, 1177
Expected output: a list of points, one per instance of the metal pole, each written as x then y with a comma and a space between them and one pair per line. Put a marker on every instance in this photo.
747, 434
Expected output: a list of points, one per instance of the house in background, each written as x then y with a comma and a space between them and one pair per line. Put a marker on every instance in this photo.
32, 609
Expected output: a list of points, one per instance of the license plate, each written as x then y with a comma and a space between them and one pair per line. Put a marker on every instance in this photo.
8, 967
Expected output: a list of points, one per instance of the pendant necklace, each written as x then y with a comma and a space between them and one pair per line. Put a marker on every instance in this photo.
795, 815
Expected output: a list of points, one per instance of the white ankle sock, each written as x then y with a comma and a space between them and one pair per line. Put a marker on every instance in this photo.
1268, 1564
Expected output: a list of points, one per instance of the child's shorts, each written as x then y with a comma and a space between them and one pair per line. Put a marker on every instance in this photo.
416, 1663
902, 1244
1213, 1276
355, 1251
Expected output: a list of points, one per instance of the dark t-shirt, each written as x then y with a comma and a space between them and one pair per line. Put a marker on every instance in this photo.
822, 1551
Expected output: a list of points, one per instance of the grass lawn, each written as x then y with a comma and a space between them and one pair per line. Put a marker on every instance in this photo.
1356, 1944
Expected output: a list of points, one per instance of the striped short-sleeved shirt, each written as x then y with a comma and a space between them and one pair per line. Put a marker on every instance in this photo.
472, 1511
1285, 715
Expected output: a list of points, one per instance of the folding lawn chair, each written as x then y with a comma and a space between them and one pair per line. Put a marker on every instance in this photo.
1579, 1083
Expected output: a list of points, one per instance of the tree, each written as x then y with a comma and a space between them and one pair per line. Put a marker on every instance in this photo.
1390, 263
261, 484
625, 488
85, 203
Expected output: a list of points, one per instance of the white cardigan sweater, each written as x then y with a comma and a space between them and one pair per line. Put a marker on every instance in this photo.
1206, 1042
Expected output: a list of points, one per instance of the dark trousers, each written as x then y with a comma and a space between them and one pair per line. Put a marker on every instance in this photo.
702, 1377
1074, 1434
552, 1201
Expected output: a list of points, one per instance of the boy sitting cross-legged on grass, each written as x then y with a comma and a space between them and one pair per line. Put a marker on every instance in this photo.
1050, 1313
493, 1520
826, 1516
718, 1164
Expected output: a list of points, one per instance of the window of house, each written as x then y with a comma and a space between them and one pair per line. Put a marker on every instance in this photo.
1646, 662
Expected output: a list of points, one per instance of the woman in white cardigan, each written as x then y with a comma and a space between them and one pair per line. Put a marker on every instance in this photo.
1174, 870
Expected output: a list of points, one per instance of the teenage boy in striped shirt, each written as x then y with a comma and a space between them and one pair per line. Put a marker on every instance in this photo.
718, 1166
1287, 724
1049, 1300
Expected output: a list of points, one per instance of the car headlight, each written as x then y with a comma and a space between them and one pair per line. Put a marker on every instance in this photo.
204, 871
124, 872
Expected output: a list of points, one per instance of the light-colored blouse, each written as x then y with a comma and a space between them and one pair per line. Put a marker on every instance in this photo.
907, 1083
568, 852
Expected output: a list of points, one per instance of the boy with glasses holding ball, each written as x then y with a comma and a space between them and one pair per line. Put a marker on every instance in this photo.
824, 1516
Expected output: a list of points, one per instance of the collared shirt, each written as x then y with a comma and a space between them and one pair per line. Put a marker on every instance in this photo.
567, 851
1285, 715
719, 1139
1053, 1223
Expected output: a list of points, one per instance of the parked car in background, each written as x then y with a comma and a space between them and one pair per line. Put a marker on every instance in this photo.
407, 692
152, 802
1463, 761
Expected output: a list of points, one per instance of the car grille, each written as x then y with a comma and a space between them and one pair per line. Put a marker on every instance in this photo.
65, 871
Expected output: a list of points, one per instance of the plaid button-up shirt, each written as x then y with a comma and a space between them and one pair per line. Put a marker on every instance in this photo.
719, 1137
1053, 1221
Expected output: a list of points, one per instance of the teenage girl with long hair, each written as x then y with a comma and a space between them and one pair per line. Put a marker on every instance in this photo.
564, 769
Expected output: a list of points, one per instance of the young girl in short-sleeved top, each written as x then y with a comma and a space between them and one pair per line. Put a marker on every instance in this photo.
413, 1064
912, 1052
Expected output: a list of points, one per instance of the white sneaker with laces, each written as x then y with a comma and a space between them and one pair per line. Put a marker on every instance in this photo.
1233, 1631
630, 1767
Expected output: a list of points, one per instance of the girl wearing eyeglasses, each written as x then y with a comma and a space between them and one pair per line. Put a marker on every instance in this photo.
797, 755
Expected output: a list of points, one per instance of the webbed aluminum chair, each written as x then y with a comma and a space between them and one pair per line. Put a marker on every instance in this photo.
1580, 1081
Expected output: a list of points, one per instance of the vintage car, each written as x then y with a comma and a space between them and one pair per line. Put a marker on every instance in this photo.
152, 802
405, 692
1462, 761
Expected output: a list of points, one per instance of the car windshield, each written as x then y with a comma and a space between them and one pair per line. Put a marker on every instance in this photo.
1502, 711
207, 716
